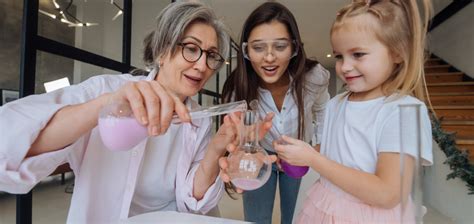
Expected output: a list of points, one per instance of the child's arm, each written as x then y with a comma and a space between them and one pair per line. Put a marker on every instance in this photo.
381, 189
317, 147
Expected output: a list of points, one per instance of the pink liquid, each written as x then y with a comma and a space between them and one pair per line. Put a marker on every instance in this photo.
119, 134
247, 184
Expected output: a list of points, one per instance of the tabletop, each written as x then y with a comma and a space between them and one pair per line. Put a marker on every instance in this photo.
177, 217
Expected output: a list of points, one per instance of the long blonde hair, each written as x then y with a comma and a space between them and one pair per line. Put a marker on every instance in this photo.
399, 27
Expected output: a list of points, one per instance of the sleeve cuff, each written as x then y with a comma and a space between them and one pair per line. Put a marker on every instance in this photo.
210, 198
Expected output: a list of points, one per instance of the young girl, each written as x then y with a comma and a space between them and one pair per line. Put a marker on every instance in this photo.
378, 46
272, 67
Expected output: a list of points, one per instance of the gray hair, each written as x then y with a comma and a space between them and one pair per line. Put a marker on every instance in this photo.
170, 27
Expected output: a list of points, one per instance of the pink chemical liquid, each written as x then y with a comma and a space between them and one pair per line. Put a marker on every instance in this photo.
247, 184
119, 134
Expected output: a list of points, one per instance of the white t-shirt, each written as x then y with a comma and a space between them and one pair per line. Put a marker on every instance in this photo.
356, 132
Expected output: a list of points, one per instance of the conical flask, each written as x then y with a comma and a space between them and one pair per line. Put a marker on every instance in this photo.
249, 165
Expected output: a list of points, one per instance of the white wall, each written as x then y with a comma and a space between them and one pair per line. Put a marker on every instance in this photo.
453, 40
144, 13
439, 5
88, 38
106, 38
449, 197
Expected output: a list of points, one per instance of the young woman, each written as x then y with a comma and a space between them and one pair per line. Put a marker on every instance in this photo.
272, 67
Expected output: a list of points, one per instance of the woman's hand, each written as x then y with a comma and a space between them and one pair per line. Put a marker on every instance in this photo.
294, 151
223, 164
227, 134
152, 105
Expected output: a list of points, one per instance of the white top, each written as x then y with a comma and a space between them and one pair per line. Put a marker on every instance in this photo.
155, 187
285, 122
356, 132
105, 180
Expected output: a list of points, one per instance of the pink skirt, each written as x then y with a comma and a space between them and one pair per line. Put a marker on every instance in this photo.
324, 205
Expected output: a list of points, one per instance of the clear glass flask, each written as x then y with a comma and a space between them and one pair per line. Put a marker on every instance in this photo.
118, 127
290, 170
120, 130
411, 175
249, 165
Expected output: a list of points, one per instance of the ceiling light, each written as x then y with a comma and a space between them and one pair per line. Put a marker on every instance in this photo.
56, 5
117, 15
120, 10
66, 16
52, 16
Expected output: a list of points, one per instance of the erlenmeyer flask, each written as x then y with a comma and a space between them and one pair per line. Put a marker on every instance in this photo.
249, 165
411, 190
118, 127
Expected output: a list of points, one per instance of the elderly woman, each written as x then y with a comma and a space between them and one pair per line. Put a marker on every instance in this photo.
175, 168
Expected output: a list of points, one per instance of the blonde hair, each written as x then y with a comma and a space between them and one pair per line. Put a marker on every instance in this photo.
398, 25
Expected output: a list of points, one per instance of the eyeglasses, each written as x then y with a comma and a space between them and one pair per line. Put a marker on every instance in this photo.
192, 53
283, 49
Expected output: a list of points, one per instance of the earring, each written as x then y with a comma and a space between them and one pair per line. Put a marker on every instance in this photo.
160, 64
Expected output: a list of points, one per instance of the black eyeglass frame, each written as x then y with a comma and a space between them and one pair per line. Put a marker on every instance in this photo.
219, 65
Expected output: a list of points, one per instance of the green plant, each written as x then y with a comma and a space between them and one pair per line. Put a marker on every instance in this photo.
457, 160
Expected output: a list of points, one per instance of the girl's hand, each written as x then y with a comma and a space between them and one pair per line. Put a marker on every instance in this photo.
223, 164
295, 152
152, 105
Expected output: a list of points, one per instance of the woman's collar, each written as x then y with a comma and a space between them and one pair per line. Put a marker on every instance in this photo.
152, 75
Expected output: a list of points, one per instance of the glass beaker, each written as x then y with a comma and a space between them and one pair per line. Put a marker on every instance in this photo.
411, 190
249, 165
